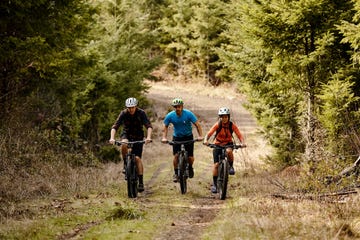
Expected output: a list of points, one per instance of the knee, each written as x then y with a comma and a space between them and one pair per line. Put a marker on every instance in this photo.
230, 153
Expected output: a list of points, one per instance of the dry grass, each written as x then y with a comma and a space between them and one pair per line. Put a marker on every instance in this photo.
44, 195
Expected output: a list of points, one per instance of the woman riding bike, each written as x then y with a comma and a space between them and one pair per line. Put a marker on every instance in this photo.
224, 129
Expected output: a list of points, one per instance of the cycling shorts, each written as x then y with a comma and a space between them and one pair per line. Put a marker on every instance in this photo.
137, 148
217, 153
188, 147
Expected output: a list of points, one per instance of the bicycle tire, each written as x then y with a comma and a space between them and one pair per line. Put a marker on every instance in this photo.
223, 177
132, 178
182, 173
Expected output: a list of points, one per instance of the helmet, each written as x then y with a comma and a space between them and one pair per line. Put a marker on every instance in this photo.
224, 111
177, 102
131, 102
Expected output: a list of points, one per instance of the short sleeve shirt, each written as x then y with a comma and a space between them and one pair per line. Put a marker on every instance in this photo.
182, 124
133, 124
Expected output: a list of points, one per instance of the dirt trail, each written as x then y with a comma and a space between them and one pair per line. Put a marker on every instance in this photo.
204, 102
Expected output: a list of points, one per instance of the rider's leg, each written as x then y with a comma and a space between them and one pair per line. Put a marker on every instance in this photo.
139, 165
216, 153
124, 149
123, 154
137, 151
175, 165
176, 149
230, 155
191, 169
175, 162
191, 159
215, 173
215, 177
140, 169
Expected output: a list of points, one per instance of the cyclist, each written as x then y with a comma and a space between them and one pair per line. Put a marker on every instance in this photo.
182, 120
133, 120
223, 130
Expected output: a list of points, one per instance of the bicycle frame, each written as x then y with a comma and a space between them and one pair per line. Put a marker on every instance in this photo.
223, 168
183, 163
131, 171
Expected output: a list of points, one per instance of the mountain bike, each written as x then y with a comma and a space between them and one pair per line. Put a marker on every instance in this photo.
131, 172
223, 168
183, 163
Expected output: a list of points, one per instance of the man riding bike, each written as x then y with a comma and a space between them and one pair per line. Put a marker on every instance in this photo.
133, 120
224, 129
182, 120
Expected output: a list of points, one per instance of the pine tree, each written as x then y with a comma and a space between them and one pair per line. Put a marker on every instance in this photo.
283, 52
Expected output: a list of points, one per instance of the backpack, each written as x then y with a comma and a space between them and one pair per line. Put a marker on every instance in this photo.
220, 127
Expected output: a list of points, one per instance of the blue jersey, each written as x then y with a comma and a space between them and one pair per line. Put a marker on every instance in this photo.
182, 124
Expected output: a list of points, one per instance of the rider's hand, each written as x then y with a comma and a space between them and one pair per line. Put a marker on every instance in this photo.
164, 140
148, 140
200, 139
206, 143
112, 141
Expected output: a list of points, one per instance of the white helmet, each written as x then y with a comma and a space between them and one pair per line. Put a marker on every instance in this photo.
131, 102
224, 111
177, 102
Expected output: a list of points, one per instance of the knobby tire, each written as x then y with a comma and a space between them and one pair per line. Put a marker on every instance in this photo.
223, 177
132, 178
181, 174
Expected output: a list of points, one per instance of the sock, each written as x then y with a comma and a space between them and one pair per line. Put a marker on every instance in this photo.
215, 180
140, 178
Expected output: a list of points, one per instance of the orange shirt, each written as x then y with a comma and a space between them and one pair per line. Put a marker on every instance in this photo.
224, 136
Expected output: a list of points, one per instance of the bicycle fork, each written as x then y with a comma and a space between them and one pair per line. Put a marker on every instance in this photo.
183, 165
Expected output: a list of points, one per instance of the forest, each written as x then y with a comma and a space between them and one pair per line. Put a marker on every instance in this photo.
68, 66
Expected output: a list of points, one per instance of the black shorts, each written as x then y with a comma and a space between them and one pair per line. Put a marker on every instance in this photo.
188, 147
137, 148
217, 153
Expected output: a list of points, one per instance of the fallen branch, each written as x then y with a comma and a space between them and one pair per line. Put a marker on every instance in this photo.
312, 196
348, 171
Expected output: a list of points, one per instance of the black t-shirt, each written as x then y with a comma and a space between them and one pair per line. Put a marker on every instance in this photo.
132, 124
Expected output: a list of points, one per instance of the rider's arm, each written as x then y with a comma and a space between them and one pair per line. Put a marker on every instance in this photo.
112, 135
199, 130
238, 134
116, 126
148, 126
210, 133
148, 135
165, 131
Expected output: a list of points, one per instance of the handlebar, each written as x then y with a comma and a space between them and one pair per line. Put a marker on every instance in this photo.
235, 146
182, 142
118, 143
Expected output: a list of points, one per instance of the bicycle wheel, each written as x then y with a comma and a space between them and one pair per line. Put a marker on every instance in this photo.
223, 177
181, 173
132, 178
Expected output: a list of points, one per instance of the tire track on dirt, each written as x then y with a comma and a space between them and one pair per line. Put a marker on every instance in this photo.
204, 208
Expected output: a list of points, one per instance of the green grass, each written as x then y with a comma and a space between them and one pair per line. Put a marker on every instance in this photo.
92, 203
